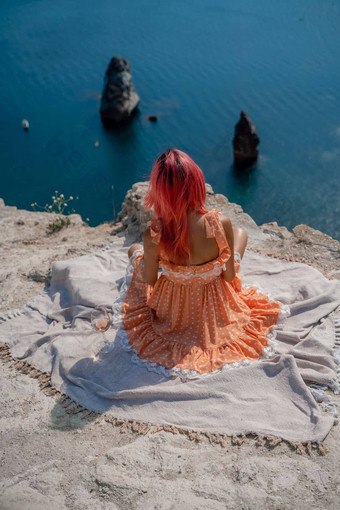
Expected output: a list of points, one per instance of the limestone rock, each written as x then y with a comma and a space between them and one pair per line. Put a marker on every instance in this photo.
272, 228
133, 216
245, 142
119, 99
21, 496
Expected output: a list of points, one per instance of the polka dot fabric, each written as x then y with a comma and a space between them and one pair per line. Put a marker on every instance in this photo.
192, 318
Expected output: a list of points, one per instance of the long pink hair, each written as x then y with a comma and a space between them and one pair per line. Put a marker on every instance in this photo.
176, 184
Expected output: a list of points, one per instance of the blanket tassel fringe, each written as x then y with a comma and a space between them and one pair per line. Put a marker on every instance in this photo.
126, 426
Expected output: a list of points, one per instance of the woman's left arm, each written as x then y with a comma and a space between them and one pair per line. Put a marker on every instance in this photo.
151, 259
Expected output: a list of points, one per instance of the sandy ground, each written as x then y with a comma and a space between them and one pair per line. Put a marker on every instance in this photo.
54, 460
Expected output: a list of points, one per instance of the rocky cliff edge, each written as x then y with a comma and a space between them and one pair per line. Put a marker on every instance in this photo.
27, 251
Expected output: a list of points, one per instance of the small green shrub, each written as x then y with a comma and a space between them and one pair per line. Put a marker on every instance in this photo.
58, 206
58, 224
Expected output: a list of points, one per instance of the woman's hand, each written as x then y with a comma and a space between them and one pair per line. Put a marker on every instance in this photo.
151, 259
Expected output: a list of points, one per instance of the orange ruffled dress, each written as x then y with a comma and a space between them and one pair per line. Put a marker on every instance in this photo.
192, 322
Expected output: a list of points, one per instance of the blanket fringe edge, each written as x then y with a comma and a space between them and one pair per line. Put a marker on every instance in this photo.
130, 426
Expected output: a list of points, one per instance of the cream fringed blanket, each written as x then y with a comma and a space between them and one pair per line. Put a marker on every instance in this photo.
276, 396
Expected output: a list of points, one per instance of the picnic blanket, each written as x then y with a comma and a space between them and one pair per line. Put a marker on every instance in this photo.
272, 397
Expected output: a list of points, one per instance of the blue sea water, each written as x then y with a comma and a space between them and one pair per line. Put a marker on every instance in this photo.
196, 65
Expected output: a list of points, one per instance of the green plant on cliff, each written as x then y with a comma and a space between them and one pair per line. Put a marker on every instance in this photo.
58, 224
58, 206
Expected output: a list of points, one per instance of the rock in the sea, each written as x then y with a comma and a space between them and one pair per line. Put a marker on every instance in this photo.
119, 99
245, 142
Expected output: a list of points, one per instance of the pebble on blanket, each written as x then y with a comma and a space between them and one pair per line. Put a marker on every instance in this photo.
72, 407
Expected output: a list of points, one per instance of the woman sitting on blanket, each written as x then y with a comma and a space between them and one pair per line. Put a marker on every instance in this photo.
193, 317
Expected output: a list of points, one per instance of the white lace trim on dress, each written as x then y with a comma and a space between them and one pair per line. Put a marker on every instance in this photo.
216, 271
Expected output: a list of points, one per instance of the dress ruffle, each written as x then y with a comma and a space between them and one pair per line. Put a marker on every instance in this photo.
147, 345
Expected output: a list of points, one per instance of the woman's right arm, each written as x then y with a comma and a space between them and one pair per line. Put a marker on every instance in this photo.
151, 259
229, 273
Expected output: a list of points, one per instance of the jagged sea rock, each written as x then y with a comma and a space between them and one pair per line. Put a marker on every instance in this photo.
245, 142
119, 99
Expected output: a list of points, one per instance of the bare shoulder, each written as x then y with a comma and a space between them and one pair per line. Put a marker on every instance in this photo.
226, 222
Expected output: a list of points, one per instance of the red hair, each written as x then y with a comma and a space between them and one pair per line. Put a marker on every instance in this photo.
176, 184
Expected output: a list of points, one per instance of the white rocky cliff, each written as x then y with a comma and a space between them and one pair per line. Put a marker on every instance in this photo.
54, 460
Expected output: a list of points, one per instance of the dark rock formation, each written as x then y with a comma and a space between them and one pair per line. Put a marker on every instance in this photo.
119, 99
245, 142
